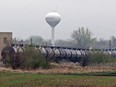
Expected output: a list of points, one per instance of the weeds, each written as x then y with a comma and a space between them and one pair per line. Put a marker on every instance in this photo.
33, 59
98, 58
30, 58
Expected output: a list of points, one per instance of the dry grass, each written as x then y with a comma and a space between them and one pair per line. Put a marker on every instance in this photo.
66, 68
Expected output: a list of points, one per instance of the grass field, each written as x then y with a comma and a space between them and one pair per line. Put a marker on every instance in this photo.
16, 79
60, 75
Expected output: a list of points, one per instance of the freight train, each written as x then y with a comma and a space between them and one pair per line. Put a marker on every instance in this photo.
56, 53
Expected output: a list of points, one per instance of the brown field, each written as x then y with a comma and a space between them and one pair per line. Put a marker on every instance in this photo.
67, 68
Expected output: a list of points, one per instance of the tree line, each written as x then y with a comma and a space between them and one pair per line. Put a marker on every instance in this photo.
79, 38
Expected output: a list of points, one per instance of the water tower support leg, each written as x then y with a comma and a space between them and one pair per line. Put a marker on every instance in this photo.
52, 41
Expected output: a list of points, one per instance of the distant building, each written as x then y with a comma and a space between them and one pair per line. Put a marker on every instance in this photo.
5, 39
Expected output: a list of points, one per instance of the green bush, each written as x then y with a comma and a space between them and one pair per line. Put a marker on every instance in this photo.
32, 58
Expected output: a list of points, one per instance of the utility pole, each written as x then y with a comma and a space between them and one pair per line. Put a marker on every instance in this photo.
31, 41
109, 44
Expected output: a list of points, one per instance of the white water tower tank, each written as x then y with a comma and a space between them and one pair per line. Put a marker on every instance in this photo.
53, 18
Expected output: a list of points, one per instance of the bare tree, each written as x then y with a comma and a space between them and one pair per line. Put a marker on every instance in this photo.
83, 38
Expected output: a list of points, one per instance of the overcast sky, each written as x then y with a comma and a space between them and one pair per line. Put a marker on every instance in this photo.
27, 17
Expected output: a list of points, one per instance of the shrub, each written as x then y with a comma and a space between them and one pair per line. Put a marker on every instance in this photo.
9, 57
32, 58
98, 57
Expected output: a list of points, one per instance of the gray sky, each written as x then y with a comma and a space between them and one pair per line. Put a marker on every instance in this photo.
27, 17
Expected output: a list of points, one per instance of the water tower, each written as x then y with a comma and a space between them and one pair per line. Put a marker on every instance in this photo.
53, 18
